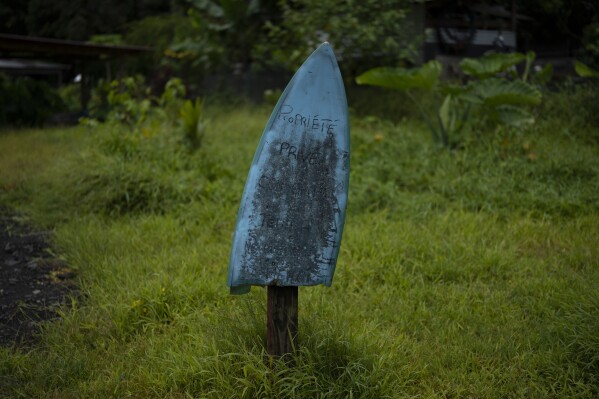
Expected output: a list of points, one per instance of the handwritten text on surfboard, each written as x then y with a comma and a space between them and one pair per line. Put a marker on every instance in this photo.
313, 122
295, 212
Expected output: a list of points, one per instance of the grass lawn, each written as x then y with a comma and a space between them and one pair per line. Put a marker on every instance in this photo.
470, 272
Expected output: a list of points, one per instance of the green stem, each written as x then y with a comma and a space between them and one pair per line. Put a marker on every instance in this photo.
425, 117
444, 138
463, 119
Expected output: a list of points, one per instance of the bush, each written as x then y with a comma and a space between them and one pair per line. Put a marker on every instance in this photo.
494, 95
129, 101
27, 102
192, 123
70, 96
131, 172
138, 165
157, 32
590, 45
363, 33
126, 101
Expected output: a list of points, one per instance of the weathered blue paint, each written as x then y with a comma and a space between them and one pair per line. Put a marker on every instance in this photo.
292, 211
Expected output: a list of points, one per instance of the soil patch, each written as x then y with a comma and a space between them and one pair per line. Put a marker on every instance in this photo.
33, 281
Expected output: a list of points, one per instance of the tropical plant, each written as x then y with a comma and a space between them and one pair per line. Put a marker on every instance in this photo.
158, 32
192, 123
491, 64
129, 101
171, 99
590, 44
490, 97
363, 33
424, 78
25, 101
225, 32
71, 97
505, 63
585, 71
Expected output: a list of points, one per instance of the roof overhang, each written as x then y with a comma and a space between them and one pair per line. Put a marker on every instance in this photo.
31, 67
37, 47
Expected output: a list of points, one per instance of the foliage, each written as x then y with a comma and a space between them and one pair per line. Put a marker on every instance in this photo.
556, 21
467, 273
171, 99
25, 101
107, 39
584, 70
495, 91
590, 44
71, 96
425, 77
225, 32
363, 33
489, 99
77, 19
128, 101
491, 64
192, 122
542, 75
158, 32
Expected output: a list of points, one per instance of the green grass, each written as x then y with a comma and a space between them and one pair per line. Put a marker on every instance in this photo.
463, 273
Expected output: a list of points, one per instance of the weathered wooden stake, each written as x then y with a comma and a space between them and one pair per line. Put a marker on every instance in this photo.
281, 320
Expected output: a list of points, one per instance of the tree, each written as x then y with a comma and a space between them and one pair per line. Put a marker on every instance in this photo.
13, 14
226, 32
77, 19
363, 33
557, 21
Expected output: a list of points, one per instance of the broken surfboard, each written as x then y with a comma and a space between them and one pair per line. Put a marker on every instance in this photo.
292, 211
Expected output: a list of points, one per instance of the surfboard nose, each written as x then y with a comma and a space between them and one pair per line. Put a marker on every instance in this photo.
292, 210
323, 53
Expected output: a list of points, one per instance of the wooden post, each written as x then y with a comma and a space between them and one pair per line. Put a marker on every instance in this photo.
281, 320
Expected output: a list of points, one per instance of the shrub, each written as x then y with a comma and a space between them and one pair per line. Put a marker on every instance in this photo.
128, 101
224, 34
27, 102
132, 172
70, 96
488, 99
590, 44
192, 123
363, 33
157, 32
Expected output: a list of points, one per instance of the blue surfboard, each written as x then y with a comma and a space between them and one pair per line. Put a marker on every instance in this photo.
292, 211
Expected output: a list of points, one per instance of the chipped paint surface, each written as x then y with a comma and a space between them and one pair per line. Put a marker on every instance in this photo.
292, 211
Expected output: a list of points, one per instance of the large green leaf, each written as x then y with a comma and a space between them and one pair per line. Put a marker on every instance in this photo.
544, 75
585, 71
495, 92
445, 114
513, 116
425, 77
454, 89
530, 58
491, 64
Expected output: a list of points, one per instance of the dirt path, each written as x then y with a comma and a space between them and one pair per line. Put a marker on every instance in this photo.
33, 282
